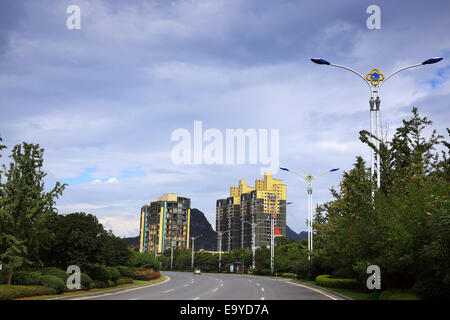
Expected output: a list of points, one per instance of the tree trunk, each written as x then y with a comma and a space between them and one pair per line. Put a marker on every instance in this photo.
11, 270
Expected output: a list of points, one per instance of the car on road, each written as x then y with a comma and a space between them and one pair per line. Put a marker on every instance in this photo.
197, 271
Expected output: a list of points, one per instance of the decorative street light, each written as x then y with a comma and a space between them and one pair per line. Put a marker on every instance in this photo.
253, 224
272, 227
193, 242
375, 80
220, 233
309, 179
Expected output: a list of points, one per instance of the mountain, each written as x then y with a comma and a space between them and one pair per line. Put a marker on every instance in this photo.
291, 234
201, 226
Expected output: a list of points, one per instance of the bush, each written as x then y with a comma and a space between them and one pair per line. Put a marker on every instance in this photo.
110, 283
124, 271
146, 276
14, 292
85, 281
288, 275
52, 271
25, 278
397, 295
4, 274
53, 282
97, 284
124, 280
431, 289
99, 272
326, 281
115, 274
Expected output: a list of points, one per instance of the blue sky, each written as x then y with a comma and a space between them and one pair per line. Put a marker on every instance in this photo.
104, 100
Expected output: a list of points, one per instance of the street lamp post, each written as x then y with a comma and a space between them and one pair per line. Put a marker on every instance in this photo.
272, 227
253, 224
193, 242
308, 179
220, 233
375, 80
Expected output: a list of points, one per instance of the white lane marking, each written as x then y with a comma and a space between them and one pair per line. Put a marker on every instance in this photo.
258, 284
221, 284
133, 289
250, 280
134, 299
215, 289
262, 298
186, 285
196, 298
262, 289
313, 289
168, 290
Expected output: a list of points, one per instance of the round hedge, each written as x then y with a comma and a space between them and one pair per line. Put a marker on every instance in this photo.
99, 272
52, 271
115, 274
26, 278
125, 271
53, 282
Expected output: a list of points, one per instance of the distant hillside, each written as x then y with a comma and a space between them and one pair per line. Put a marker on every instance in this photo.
201, 226
291, 234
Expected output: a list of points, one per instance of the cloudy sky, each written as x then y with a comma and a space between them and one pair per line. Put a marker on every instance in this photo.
104, 100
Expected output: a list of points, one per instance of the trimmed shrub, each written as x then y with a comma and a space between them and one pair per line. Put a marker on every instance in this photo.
85, 281
115, 274
146, 276
15, 292
26, 278
124, 280
397, 295
326, 281
53, 282
52, 271
97, 284
110, 283
98, 272
124, 271
288, 275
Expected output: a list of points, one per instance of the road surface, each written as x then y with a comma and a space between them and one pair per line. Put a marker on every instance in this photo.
215, 286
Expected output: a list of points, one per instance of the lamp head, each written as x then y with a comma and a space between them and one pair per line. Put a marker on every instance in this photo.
320, 61
432, 60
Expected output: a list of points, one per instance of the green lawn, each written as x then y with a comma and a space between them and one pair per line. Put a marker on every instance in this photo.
135, 283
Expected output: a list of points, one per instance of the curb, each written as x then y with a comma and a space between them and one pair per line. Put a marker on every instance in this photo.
311, 286
112, 291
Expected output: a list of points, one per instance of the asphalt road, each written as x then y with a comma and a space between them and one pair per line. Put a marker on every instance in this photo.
215, 286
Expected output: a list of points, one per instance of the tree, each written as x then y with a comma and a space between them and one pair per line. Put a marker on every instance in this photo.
25, 206
78, 239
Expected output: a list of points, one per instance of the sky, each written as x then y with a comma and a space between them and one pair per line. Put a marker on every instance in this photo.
105, 99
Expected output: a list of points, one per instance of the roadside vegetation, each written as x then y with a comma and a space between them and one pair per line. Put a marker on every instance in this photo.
37, 244
404, 228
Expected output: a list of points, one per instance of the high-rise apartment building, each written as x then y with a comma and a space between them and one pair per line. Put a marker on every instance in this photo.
164, 220
247, 212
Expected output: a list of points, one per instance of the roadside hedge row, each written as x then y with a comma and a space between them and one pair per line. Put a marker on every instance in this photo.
15, 292
397, 295
325, 281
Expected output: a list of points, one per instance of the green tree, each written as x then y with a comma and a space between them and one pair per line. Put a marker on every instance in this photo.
25, 206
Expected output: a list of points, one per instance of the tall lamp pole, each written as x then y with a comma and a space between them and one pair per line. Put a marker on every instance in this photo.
220, 233
375, 80
193, 243
309, 179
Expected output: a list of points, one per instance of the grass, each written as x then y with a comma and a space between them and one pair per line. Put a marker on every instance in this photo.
135, 283
351, 293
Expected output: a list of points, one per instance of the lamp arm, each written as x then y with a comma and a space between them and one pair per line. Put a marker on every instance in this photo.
355, 72
399, 70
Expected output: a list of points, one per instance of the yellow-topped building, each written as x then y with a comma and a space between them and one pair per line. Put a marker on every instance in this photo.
164, 223
251, 205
